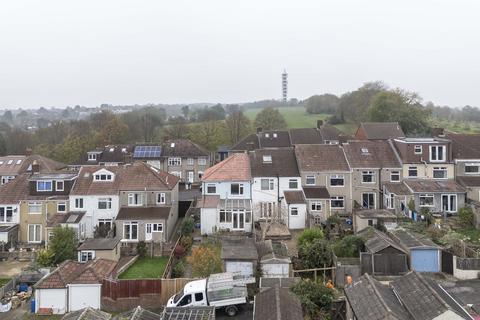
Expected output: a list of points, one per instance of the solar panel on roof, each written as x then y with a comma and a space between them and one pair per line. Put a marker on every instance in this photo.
147, 152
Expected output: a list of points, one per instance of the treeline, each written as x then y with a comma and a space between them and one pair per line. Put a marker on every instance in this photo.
375, 101
68, 141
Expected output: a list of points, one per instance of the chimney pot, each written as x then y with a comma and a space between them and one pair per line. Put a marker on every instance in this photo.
319, 124
35, 166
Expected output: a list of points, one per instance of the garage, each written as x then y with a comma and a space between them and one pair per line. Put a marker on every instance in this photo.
84, 295
245, 268
425, 260
239, 254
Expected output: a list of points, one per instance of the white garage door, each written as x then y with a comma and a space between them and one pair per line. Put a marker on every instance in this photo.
275, 270
246, 268
82, 296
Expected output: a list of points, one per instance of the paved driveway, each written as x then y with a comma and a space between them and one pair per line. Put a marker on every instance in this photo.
12, 268
245, 314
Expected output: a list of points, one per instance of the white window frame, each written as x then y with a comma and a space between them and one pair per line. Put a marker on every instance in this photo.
39, 234
79, 201
449, 199
87, 254
391, 201
426, 195
157, 227
161, 198
174, 161
368, 173
45, 182
190, 161
270, 184
335, 198
443, 169
225, 216
374, 199
7, 179
310, 176
92, 157
135, 199
211, 185
105, 222
57, 182
202, 161
444, 153
59, 203
472, 164
336, 176
130, 224
293, 181
294, 211
418, 147
103, 177
5, 209
395, 173
412, 168
107, 201
35, 204
241, 190
314, 206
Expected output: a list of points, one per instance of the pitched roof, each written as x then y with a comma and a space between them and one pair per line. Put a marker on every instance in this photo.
411, 240
274, 162
294, 197
469, 181
375, 214
370, 154
241, 249
277, 303
138, 176
248, 143
329, 132
234, 168
398, 188
419, 298
377, 241
187, 313
139, 313
208, 201
13, 165
318, 157
72, 217
465, 146
274, 139
87, 314
316, 193
371, 300
427, 185
99, 244
382, 130
143, 213
305, 136
76, 272
183, 148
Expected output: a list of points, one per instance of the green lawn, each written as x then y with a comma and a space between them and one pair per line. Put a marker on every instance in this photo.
472, 234
3, 281
146, 268
297, 117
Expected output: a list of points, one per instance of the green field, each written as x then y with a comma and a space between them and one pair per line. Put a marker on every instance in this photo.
146, 268
297, 117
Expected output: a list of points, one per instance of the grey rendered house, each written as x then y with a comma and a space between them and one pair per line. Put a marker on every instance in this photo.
148, 205
372, 163
466, 155
326, 179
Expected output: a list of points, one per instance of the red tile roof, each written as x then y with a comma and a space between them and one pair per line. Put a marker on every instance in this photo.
76, 272
234, 168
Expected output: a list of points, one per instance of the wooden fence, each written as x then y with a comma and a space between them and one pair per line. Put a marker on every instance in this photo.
10, 285
118, 295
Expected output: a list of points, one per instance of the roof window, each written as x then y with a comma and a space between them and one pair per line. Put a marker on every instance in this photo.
364, 151
267, 159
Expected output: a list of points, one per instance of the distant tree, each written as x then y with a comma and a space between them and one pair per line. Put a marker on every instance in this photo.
354, 105
7, 117
144, 123
185, 111
99, 119
325, 103
209, 134
270, 119
18, 141
3, 145
237, 125
115, 131
205, 260
177, 128
42, 123
216, 112
63, 244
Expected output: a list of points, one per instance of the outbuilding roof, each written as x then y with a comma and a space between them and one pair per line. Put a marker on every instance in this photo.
294, 197
398, 188
239, 249
378, 241
411, 240
469, 181
316, 193
235, 168
87, 314
427, 185
277, 303
375, 214
143, 213
99, 244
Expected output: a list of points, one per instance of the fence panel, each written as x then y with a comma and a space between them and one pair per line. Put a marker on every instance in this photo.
468, 263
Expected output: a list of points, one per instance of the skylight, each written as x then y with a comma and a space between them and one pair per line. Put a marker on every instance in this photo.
19, 161
10, 161
267, 159
172, 145
364, 150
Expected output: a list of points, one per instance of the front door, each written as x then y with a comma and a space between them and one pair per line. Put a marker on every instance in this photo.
238, 220
148, 232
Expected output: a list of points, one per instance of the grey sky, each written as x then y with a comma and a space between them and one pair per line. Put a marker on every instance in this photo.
57, 53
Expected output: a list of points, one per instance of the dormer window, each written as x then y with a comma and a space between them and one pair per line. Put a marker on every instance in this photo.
92, 157
267, 159
267, 135
59, 185
172, 145
103, 175
418, 149
43, 186
275, 135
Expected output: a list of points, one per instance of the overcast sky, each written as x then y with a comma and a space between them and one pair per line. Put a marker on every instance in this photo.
59, 53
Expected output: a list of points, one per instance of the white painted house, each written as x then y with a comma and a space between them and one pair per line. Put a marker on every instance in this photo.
72, 286
226, 202
273, 171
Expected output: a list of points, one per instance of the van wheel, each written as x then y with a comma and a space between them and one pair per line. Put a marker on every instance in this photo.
231, 311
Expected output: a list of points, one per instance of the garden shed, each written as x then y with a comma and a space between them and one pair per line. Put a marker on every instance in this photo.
424, 254
274, 259
382, 256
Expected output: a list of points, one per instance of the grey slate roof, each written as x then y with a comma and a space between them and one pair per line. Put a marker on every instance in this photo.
99, 244
280, 282
294, 197
283, 164
321, 158
371, 300
277, 304
305, 136
427, 185
241, 249
410, 240
398, 188
379, 241
316, 193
